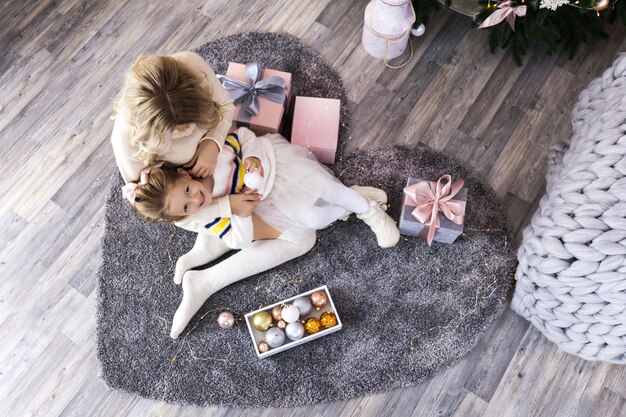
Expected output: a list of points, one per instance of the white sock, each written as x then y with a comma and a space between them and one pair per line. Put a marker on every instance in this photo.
262, 255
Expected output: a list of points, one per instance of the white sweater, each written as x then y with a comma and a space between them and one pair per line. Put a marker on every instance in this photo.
235, 231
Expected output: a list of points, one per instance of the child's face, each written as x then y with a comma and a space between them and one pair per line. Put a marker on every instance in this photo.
187, 196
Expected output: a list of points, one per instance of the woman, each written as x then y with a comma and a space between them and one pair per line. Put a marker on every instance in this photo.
173, 109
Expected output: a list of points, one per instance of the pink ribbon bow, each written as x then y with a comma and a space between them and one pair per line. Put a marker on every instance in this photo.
505, 11
128, 191
431, 197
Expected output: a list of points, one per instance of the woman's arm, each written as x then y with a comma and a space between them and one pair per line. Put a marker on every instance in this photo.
129, 167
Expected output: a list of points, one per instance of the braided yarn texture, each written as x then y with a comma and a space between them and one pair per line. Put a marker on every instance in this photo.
571, 278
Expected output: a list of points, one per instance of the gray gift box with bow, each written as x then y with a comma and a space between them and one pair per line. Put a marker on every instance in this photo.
447, 232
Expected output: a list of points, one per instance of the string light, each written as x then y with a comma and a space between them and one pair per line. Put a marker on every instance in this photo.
486, 287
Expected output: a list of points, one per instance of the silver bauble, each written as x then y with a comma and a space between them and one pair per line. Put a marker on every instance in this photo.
419, 31
304, 305
274, 337
294, 331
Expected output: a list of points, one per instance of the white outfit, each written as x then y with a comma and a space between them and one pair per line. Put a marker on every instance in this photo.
296, 201
299, 192
300, 195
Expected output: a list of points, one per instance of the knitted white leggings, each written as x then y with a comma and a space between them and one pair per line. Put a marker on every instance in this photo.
336, 201
260, 256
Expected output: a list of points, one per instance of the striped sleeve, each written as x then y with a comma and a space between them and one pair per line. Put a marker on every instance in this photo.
236, 232
237, 183
219, 227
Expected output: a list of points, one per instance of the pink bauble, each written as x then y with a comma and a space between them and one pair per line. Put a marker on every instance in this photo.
226, 320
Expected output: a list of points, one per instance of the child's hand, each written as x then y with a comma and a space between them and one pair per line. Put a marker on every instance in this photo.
243, 205
252, 164
248, 190
203, 162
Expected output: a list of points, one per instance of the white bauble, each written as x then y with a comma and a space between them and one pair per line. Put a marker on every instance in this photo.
253, 180
418, 31
290, 313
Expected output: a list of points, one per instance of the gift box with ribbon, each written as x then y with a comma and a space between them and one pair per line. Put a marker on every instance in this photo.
261, 96
316, 126
433, 210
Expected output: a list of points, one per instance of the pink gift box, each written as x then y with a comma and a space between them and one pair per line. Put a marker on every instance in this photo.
447, 232
270, 117
316, 126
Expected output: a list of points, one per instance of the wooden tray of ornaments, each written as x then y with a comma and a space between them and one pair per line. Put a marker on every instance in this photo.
256, 324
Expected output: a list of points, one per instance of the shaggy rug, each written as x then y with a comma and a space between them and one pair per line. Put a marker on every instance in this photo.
407, 312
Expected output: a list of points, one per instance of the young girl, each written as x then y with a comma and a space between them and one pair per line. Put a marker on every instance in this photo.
298, 195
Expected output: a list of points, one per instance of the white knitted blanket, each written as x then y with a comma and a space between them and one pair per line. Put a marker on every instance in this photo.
571, 278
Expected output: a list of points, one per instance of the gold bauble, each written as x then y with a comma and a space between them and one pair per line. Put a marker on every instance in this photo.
281, 324
602, 5
262, 320
263, 347
328, 319
312, 325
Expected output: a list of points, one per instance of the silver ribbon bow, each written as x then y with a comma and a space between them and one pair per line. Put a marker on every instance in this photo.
248, 93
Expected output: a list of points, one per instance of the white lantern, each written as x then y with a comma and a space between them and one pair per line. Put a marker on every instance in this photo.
387, 27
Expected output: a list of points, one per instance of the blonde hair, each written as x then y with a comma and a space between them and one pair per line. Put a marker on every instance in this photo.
160, 93
150, 198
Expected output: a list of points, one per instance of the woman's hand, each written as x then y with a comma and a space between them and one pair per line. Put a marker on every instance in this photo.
252, 164
243, 205
203, 162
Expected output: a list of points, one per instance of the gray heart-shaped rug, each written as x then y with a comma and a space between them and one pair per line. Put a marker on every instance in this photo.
407, 312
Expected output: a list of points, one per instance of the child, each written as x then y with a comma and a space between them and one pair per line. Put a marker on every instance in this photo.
299, 195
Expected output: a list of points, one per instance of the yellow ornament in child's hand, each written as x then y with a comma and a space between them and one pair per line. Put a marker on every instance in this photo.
312, 325
262, 320
328, 319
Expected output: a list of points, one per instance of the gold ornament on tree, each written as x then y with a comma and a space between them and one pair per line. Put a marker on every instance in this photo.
262, 320
312, 325
328, 319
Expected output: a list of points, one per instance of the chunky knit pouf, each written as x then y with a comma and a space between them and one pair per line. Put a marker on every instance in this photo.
572, 263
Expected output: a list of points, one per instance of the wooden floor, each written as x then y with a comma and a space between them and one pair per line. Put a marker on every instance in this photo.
61, 65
